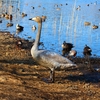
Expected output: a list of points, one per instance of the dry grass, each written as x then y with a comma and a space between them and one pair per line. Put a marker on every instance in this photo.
22, 79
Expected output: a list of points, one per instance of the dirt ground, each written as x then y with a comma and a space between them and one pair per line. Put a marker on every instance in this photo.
22, 79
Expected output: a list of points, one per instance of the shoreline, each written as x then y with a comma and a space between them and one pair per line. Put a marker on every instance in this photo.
7, 32
27, 47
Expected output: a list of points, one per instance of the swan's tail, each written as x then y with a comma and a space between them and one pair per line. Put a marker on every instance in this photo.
69, 65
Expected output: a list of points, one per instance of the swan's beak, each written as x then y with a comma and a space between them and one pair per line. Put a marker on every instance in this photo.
32, 18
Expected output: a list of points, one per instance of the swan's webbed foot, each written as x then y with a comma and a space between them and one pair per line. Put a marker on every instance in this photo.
47, 80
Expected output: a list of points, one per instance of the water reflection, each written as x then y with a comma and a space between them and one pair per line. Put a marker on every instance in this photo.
65, 22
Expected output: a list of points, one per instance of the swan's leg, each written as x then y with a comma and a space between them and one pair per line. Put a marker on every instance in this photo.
52, 75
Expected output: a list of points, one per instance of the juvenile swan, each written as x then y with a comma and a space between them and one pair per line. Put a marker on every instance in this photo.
48, 58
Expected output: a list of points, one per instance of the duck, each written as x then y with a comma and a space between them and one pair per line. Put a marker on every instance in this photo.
87, 51
6, 16
78, 8
87, 4
24, 15
87, 23
48, 58
94, 26
33, 7
66, 47
18, 27
3, 15
33, 27
19, 44
10, 17
9, 24
66, 3
72, 53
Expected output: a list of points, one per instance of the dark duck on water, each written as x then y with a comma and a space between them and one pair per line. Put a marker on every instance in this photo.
19, 27
48, 58
66, 48
87, 51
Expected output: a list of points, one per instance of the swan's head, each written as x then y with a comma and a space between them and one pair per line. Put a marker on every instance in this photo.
36, 19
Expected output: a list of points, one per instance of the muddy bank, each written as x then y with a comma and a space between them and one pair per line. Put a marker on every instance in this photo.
21, 78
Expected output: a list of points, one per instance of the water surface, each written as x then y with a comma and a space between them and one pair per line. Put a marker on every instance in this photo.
63, 23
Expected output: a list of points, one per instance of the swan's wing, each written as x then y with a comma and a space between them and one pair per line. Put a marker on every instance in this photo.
55, 57
52, 59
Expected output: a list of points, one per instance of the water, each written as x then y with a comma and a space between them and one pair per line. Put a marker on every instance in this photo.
63, 23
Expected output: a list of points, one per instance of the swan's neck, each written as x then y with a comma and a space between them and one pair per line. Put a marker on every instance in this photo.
37, 36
